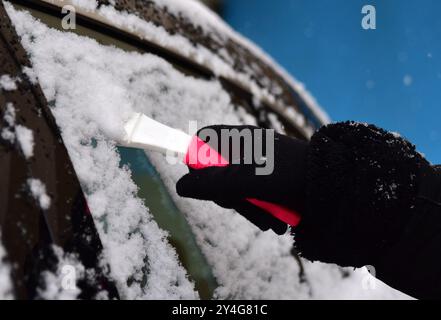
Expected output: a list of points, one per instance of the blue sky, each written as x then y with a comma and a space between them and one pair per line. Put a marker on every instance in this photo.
390, 76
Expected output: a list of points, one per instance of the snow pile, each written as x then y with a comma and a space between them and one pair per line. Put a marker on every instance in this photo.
94, 88
5, 276
7, 83
38, 191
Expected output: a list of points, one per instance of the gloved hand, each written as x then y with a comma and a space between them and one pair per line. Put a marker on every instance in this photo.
366, 197
230, 185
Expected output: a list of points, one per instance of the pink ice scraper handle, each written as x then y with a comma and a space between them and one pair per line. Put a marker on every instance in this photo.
144, 132
213, 159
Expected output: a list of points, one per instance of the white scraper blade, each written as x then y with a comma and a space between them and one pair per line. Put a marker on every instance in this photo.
146, 133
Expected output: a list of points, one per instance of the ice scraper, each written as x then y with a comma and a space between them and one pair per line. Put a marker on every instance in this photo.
146, 133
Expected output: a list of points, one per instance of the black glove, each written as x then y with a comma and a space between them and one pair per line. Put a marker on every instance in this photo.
229, 186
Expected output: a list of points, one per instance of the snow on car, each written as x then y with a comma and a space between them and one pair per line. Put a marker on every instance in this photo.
175, 61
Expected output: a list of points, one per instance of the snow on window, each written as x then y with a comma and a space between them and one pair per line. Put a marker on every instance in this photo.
94, 88
201, 16
5, 276
38, 191
7, 83
25, 138
91, 102
221, 63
